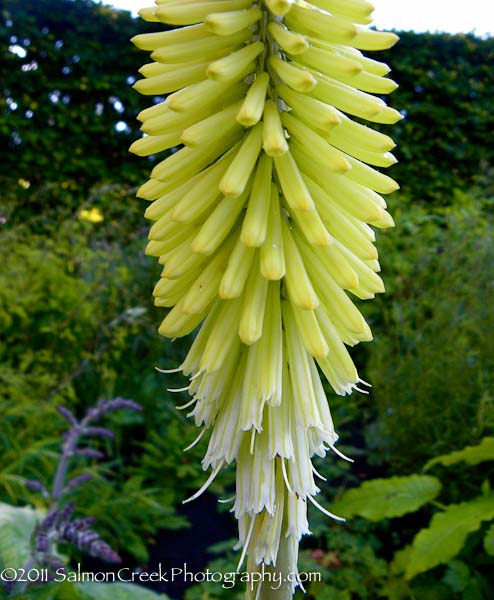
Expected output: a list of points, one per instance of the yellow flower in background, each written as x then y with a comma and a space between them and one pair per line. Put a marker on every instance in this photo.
263, 221
93, 215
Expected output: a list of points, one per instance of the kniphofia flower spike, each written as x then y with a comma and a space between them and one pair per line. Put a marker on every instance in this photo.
263, 221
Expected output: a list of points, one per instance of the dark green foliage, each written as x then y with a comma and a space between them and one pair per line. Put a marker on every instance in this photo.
446, 88
76, 324
432, 360
67, 111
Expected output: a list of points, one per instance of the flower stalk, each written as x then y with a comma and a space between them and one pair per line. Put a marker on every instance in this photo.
264, 222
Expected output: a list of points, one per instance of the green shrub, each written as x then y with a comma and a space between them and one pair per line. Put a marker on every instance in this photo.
77, 324
432, 361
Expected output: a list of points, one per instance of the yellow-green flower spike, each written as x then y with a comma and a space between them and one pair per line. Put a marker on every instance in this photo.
264, 200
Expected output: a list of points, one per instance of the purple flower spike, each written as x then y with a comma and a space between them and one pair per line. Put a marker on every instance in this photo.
101, 550
106, 406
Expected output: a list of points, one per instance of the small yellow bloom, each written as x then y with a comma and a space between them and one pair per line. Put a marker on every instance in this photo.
93, 215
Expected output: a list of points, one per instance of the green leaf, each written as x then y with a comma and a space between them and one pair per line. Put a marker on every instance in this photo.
446, 534
457, 576
118, 591
16, 527
329, 592
393, 497
400, 560
473, 592
52, 591
472, 455
395, 589
489, 541
431, 590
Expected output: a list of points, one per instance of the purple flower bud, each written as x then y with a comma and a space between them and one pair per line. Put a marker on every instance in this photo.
70, 530
90, 453
67, 415
93, 413
35, 486
65, 514
98, 432
49, 521
42, 542
86, 538
77, 481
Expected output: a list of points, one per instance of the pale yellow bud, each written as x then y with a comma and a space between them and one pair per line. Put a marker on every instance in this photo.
205, 49
367, 176
253, 105
299, 285
235, 179
153, 41
310, 332
316, 146
330, 63
292, 185
194, 96
182, 120
169, 82
298, 79
205, 288
253, 307
227, 23
311, 21
310, 224
219, 224
273, 134
148, 14
316, 113
339, 223
201, 132
177, 323
230, 66
204, 194
289, 41
152, 144
369, 39
358, 11
279, 7
272, 256
237, 271
347, 98
185, 13
255, 224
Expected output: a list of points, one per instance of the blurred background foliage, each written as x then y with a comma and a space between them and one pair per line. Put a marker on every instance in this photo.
77, 321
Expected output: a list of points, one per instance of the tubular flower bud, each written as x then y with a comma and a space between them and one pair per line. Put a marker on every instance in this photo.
263, 221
